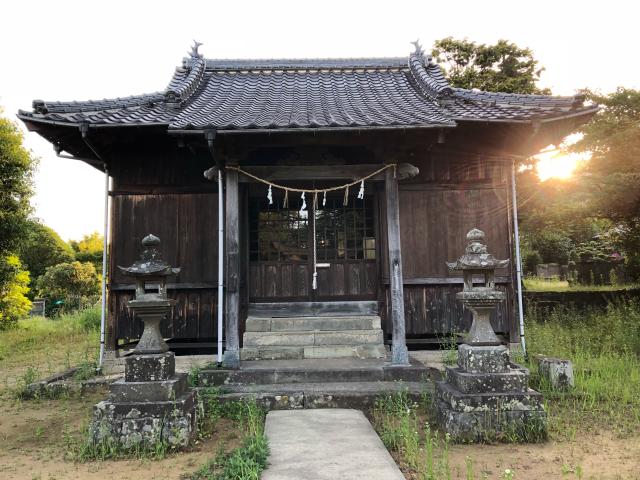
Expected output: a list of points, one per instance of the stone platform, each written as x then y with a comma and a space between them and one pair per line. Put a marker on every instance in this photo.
327, 383
150, 404
486, 395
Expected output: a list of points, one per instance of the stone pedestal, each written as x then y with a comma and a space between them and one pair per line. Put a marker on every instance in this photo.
151, 404
486, 396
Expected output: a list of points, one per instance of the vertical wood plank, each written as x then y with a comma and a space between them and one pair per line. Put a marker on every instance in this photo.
399, 352
232, 241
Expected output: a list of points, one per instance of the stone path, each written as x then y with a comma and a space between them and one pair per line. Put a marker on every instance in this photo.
326, 444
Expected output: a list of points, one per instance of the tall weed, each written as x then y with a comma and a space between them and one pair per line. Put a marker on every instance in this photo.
604, 347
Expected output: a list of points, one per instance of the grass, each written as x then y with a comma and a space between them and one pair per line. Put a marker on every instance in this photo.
245, 462
405, 429
533, 284
604, 348
46, 346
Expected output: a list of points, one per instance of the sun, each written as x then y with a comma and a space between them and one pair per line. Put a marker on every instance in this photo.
553, 162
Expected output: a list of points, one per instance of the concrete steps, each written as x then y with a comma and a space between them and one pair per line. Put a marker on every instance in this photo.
358, 395
274, 372
327, 383
330, 334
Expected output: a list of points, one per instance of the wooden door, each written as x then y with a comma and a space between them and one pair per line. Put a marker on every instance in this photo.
281, 250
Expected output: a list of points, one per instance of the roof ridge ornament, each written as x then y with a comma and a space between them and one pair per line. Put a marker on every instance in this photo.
194, 50
419, 51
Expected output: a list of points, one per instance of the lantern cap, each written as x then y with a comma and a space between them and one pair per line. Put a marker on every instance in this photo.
150, 263
476, 256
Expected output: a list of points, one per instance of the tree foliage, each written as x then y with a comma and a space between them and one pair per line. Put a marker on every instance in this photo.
42, 248
73, 279
89, 249
612, 175
503, 67
613, 138
14, 303
16, 170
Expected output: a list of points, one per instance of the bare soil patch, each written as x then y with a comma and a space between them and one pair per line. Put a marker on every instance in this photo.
33, 444
588, 456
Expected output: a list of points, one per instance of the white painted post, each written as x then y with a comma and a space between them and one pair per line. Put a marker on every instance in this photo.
516, 233
103, 313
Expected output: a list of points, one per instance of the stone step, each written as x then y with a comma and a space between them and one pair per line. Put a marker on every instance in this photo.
311, 351
359, 395
515, 380
490, 401
297, 324
315, 338
151, 391
312, 371
312, 309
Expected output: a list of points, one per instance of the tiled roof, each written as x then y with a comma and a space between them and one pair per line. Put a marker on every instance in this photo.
289, 94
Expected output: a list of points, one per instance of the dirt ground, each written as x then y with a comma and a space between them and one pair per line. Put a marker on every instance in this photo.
32, 446
601, 456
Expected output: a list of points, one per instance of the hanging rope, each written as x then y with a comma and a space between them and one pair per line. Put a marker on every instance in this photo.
311, 190
315, 191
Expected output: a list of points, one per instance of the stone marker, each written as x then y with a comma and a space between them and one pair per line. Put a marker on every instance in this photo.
486, 394
325, 444
558, 372
151, 403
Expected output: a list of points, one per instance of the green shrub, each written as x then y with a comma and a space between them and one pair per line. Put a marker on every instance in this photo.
69, 283
90, 318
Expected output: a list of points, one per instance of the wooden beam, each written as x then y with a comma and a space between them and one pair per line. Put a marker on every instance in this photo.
119, 287
446, 280
324, 172
232, 247
399, 352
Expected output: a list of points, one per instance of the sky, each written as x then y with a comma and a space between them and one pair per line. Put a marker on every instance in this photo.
78, 50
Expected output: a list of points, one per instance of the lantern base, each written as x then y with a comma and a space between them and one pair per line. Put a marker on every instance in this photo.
486, 396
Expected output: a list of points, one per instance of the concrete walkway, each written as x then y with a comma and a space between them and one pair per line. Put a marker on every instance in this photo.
326, 444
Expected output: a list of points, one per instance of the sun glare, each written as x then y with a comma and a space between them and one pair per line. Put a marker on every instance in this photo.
553, 162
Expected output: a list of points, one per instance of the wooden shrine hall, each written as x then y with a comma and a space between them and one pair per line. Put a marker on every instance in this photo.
346, 185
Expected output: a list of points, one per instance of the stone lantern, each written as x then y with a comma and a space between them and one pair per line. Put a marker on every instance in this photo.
481, 300
485, 394
152, 404
151, 307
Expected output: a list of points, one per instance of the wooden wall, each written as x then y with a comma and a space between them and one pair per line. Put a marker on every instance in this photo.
165, 193
451, 195
162, 191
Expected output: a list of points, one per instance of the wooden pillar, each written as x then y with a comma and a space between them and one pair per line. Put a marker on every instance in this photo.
232, 247
399, 353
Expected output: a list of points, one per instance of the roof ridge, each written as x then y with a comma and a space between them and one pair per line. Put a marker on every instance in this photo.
305, 63
180, 89
42, 106
428, 75
573, 101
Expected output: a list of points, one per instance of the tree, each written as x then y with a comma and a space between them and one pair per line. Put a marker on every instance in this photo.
13, 301
16, 170
41, 248
503, 67
612, 175
73, 279
89, 249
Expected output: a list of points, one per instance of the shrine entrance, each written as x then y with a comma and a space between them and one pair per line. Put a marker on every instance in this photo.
281, 248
